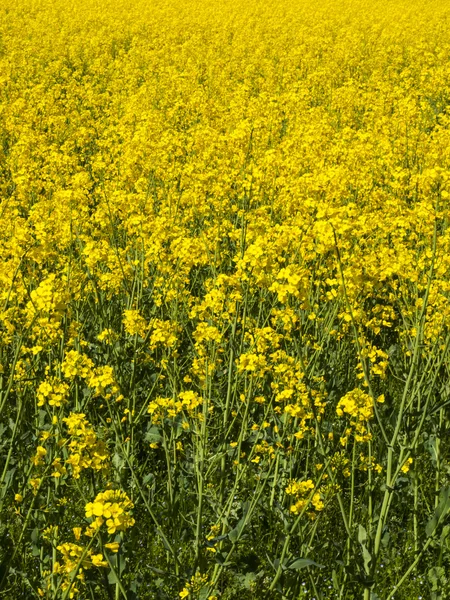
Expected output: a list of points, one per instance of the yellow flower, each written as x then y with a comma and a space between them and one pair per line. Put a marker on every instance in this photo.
98, 560
357, 404
133, 322
35, 484
406, 465
184, 593
111, 508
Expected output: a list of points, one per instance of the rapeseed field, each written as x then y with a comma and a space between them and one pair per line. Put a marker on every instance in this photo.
224, 299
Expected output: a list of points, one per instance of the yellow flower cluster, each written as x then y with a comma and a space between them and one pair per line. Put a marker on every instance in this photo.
52, 390
168, 407
302, 490
263, 449
108, 336
111, 508
163, 334
77, 556
230, 213
406, 465
45, 310
76, 364
101, 379
357, 404
206, 333
134, 323
38, 458
85, 449
252, 362
366, 463
79, 559
195, 585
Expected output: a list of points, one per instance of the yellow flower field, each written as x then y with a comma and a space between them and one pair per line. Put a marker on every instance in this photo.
224, 299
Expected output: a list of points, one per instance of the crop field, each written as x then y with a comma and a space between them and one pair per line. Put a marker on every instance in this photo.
224, 299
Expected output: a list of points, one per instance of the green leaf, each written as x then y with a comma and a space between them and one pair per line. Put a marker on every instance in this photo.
367, 558
362, 539
436, 576
118, 461
178, 428
249, 579
148, 477
335, 580
445, 532
112, 579
42, 418
3, 570
441, 510
431, 526
235, 533
35, 535
301, 563
431, 447
153, 436
362, 534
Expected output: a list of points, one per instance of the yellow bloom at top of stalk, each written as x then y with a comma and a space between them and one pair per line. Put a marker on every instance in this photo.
111, 508
134, 323
357, 404
85, 449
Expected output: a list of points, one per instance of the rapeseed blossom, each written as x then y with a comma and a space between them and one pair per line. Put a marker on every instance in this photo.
224, 293
111, 508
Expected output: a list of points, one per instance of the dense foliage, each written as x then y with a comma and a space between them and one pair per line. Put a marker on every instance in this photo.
224, 299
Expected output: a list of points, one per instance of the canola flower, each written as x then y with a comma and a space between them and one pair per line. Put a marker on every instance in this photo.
303, 488
224, 297
110, 508
85, 449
